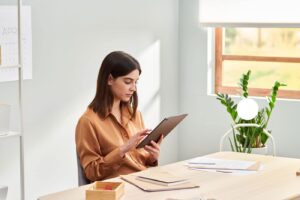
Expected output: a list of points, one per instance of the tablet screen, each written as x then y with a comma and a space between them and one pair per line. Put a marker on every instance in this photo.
163, 128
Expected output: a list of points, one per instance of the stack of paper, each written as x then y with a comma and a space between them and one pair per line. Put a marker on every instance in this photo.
223, 165
158, 180
161, 178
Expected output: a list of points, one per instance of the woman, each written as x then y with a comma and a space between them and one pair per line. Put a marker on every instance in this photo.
108, 132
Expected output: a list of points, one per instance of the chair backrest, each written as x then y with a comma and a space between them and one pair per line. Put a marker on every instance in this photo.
82, 180
248, 125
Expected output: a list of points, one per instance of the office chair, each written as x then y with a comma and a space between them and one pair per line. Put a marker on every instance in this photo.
82, 180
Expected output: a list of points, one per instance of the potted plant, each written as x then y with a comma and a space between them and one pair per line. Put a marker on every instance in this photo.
248, 138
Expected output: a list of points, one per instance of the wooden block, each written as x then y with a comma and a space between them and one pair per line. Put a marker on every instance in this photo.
105, 191
298, 172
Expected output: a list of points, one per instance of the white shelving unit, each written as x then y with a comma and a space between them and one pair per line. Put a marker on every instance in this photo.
20, 95
10, 66
10, 134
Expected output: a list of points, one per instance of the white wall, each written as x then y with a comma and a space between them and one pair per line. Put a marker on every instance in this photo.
208, 119
70, 39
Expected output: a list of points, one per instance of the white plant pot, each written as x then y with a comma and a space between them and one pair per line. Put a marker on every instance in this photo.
261, 151
3, 192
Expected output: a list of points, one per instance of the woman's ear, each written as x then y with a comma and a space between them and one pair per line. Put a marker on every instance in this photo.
110, 80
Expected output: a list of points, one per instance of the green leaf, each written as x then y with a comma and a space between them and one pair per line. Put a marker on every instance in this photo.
235, 140
229, 104
264, 138
274, 98
244, 83
231, 145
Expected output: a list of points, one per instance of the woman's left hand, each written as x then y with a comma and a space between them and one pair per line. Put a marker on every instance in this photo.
154, 149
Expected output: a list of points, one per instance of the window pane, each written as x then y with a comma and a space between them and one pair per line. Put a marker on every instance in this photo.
263, 74
278, 42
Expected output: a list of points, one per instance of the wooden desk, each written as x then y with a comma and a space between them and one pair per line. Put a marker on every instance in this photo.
278, 180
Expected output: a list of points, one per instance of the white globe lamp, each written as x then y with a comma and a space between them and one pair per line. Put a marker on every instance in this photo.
247, 109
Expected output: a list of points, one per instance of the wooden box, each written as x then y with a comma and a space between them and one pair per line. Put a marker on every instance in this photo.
105, 191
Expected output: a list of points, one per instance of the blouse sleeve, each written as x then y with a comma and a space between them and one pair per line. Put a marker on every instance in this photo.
96, 166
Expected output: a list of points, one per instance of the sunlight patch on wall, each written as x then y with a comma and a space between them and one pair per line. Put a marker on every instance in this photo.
149, 84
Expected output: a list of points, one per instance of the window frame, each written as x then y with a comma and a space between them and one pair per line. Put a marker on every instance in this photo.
220, 57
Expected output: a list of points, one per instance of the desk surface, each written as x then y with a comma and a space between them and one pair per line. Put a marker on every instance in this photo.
277, 180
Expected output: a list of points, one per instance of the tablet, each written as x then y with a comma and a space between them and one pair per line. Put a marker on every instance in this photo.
163, 128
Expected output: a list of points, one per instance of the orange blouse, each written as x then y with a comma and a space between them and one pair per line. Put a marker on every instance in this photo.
98, 141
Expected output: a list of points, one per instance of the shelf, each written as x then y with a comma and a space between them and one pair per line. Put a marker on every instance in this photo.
10, 134
9, 66
19, 67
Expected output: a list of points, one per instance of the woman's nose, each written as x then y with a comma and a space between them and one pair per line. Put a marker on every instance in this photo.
133, 87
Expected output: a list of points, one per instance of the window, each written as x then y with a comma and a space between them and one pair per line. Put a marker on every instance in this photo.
272, 54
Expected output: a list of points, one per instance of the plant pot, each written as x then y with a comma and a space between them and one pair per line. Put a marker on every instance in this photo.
261, 150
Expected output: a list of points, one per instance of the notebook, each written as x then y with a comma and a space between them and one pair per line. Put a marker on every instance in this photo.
161, 182
161, 178
150, 187
166, 180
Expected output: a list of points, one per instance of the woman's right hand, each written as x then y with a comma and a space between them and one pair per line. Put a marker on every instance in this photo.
133, 141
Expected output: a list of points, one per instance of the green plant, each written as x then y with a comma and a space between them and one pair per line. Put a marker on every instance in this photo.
249, 137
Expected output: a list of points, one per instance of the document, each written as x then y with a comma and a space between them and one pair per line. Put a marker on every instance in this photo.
161, 178
224, 165
150, 187
172, 182
161, 182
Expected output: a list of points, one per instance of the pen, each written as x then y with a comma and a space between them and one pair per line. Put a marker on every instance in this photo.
202, 163
222, 171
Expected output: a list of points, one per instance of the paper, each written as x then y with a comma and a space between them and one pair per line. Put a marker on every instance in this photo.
149, 187
160, 175
161, 182
224, 165
9, 42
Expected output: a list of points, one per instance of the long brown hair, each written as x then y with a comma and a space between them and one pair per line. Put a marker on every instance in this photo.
116, 64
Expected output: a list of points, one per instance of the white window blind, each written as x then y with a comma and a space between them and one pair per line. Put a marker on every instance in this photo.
249, 13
